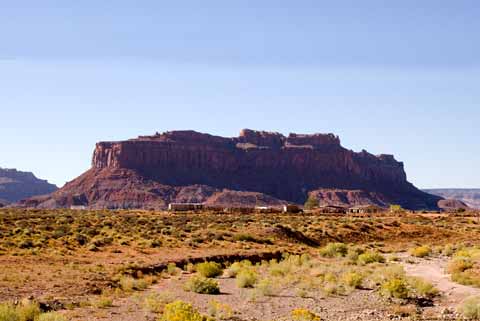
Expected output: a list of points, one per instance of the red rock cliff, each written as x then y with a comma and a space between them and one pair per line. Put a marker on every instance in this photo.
286, 167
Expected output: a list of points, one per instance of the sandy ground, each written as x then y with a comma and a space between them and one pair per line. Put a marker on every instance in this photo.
360, 305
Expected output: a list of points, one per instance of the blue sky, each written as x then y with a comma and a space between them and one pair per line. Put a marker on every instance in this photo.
400, 78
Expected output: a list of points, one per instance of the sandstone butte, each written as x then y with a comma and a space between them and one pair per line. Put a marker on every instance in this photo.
257, 168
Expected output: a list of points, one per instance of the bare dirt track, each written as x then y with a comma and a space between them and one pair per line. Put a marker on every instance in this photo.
434, 271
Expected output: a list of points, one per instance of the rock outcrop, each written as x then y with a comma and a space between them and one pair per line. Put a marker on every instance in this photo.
346, 198
451, 205
16, 185
151, 171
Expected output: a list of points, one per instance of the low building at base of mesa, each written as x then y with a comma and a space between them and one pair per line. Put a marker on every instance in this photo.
288, 208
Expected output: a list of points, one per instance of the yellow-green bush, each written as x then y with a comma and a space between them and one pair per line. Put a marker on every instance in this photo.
423, 288
156, 302
354, 252
382, 274
219, 310
236, 267
468, 277
289, 265
103, 302
172, 269
128, 284
266, 287
370, 257
353, 279
8, 313
334, 250
471, 308
202, 285
246, 278
468, 252
51, 316
28, 310
395, 288
448, 250
421, 251
181, 311
24, 311
304, 315
209, 269
458, 265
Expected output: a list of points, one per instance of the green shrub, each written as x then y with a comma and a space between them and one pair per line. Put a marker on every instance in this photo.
467, 277
172, 269
471, 308
334, 250
304, 315
423, 288
28, 310
128, 284
202, 285
236, 267
8, 313
421, 251
24, 311
282, 268
180, 311
103, 302
311, 203
471, 253
156, 302
209, 269
448, 250
353, 279
266, 287
395, 288
370, 257
222, 311
459, 265
246, 278
383, 274
396, 208
243, 237
51, 316
354, 252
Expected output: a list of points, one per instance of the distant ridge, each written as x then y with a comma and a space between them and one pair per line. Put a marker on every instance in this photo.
470, 196
17, 185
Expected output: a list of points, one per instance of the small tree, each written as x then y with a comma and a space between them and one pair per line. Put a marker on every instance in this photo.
311, 203
396, 208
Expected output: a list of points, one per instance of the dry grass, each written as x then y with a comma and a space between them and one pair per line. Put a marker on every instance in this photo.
76, 254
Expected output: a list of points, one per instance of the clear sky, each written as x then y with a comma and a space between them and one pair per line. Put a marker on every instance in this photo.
399, 77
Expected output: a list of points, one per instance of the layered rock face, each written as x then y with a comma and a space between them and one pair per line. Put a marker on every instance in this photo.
156, 168
452, 205
346, 198
16, 185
